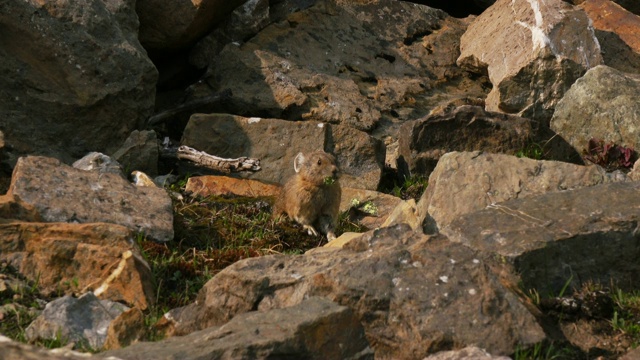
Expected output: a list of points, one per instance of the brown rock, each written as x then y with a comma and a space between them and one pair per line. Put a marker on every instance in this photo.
470, 352
532, 51
560, 238
467, 128
75, 258
402, 286
314, 329
631, 5
480, 179
12, 350
75, 80
66, 194
602, 104
12, 207
126, 329
618, 32
334, 62
631, 355
222, 185
277, 142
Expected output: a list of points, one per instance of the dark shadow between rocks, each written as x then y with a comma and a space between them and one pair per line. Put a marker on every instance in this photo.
600, 257
617, 54
555, 147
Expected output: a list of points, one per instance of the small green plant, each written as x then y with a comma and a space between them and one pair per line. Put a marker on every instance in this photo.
411, 188
533, 150
626, 315
543, 351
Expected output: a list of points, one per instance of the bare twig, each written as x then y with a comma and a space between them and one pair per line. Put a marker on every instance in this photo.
203, 159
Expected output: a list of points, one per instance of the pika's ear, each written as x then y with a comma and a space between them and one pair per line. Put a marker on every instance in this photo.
298, 161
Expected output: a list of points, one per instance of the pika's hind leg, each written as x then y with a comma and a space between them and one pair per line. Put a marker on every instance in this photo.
327, 224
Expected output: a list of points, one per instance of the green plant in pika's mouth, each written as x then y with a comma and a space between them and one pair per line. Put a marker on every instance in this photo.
329, 180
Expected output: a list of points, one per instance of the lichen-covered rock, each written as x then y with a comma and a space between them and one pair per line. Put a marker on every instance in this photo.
362, 64
618, 32
602, 104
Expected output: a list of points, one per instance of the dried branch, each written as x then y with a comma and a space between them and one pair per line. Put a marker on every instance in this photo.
203, 159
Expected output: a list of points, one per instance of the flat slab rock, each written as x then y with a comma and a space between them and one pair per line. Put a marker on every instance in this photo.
314, 329
61, 193
587, 234
414, 295
480, 179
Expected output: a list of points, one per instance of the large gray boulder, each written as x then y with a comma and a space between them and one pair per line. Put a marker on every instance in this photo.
75, 78
277, 142
413, 294
314, 329
532, 51
602, 104
61, 193
83, 320
568, 237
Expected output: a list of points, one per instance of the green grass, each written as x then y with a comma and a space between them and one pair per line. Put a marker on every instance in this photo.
404, 187
212, 233
626, 315
544, 351
533, 150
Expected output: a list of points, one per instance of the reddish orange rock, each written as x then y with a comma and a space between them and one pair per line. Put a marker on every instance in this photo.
609, 16
223, 185
77, 258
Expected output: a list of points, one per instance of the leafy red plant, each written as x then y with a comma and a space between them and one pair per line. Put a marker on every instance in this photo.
610, 156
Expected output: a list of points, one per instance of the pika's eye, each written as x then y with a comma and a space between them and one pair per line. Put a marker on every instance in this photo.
319, 162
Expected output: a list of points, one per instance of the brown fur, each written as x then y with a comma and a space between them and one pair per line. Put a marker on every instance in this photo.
307, 198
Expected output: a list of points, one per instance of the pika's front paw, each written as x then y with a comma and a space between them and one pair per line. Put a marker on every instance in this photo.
310, 230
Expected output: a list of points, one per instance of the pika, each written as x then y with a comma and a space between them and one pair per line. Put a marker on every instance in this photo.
312, 196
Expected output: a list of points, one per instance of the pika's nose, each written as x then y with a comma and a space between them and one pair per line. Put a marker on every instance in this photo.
335, 172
